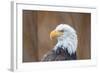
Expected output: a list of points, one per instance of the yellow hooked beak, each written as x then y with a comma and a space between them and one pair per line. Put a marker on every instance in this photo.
55, 34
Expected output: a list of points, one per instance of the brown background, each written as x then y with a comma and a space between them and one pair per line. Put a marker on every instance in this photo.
38, 24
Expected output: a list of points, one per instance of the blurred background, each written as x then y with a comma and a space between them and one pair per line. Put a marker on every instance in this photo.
37, 26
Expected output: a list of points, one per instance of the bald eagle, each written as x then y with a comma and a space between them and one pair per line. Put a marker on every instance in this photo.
66, 46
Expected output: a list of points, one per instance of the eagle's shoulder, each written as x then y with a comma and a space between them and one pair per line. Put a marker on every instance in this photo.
53, 56
49, 56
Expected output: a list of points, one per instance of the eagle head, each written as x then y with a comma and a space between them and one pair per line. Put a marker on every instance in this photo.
66, 38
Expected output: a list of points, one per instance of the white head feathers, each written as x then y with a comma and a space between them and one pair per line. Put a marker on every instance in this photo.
68, 39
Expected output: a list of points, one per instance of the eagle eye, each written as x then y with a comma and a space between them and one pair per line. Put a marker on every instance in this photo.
61, 30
